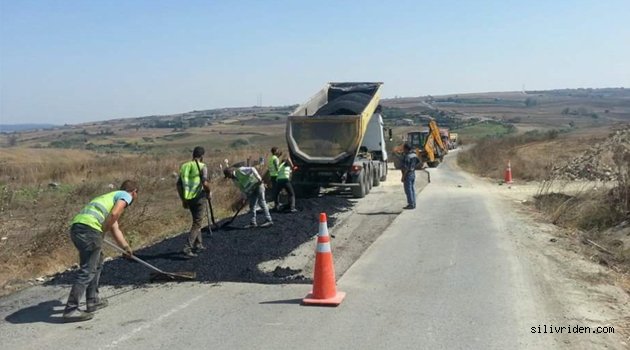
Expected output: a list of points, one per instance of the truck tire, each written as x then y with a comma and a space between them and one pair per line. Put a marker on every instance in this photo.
376, 177
361, 190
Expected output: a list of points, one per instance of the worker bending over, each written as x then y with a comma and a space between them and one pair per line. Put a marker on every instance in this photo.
251, 185
88, 228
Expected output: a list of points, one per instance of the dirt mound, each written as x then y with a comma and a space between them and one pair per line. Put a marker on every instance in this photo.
603, 162
233, 253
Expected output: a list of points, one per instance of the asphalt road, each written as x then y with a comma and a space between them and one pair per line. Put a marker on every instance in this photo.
442, 276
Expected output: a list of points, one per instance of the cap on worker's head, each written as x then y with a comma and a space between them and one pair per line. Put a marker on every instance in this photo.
406, 147
228, 172
198, 152
274, 149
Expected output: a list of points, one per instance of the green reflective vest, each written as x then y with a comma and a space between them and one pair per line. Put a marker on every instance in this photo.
273, 171
245, 183
191, 179
96, 211
284, 171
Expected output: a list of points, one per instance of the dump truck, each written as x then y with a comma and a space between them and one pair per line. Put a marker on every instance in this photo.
427, 144
336, 139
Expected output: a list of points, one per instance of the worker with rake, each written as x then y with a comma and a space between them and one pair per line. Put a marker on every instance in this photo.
251, 185
88, 228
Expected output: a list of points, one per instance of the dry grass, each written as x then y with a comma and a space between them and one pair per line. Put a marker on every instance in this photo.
489, 156
35, 215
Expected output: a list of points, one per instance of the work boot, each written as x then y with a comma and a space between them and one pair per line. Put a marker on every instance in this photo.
267, 224
251, 225
200, 248
76, 315
293, 210
97, 305
189, 253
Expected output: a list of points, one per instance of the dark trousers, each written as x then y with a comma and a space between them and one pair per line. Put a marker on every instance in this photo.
89, 243
280, 185
410, 191
196, 207
274, 185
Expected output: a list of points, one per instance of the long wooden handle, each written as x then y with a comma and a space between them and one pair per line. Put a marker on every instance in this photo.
133, 257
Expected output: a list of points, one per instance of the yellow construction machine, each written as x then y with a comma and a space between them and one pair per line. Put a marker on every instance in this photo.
427, 144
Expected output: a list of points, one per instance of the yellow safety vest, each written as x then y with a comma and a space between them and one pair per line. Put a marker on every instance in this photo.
191, 179
96, 211
273, 171
284, 171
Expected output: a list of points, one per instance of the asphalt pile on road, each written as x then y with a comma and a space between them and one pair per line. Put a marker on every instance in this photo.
233, 252
603, 162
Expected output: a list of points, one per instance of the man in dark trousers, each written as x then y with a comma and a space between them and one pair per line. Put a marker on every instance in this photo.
273, 164
409, 175
88, 228
284, 182
194, 190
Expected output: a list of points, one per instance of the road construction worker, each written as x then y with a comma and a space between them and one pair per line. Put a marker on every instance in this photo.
284, 182
194, 190
409, 175
251, 185
272, 164
87, 230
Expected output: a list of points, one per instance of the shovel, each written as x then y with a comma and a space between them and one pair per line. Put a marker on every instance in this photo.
169, 275
225, 224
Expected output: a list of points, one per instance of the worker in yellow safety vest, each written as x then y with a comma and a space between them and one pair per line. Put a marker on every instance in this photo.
87, 230
272, 164
284, 182
193, 188
251, 185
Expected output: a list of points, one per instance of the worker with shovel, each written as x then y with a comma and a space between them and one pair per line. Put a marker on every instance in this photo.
194, 189
88, 228
251, 185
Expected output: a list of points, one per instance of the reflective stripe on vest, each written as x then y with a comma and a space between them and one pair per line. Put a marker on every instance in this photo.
95, 212
191, 179
245, 182
284, 172
273, 171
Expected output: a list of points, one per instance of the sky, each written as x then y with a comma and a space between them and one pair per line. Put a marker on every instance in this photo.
75, 61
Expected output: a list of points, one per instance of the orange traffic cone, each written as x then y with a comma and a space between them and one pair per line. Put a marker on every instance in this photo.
508, 173
324, 286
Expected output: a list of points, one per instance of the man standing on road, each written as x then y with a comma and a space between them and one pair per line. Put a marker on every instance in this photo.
409, 175
273, 164
88, 228
251, 185
284, 182
194, 189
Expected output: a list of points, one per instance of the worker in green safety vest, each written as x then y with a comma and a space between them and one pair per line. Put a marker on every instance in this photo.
284, 182
193, 188
87, 230
251, 185
272, 164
